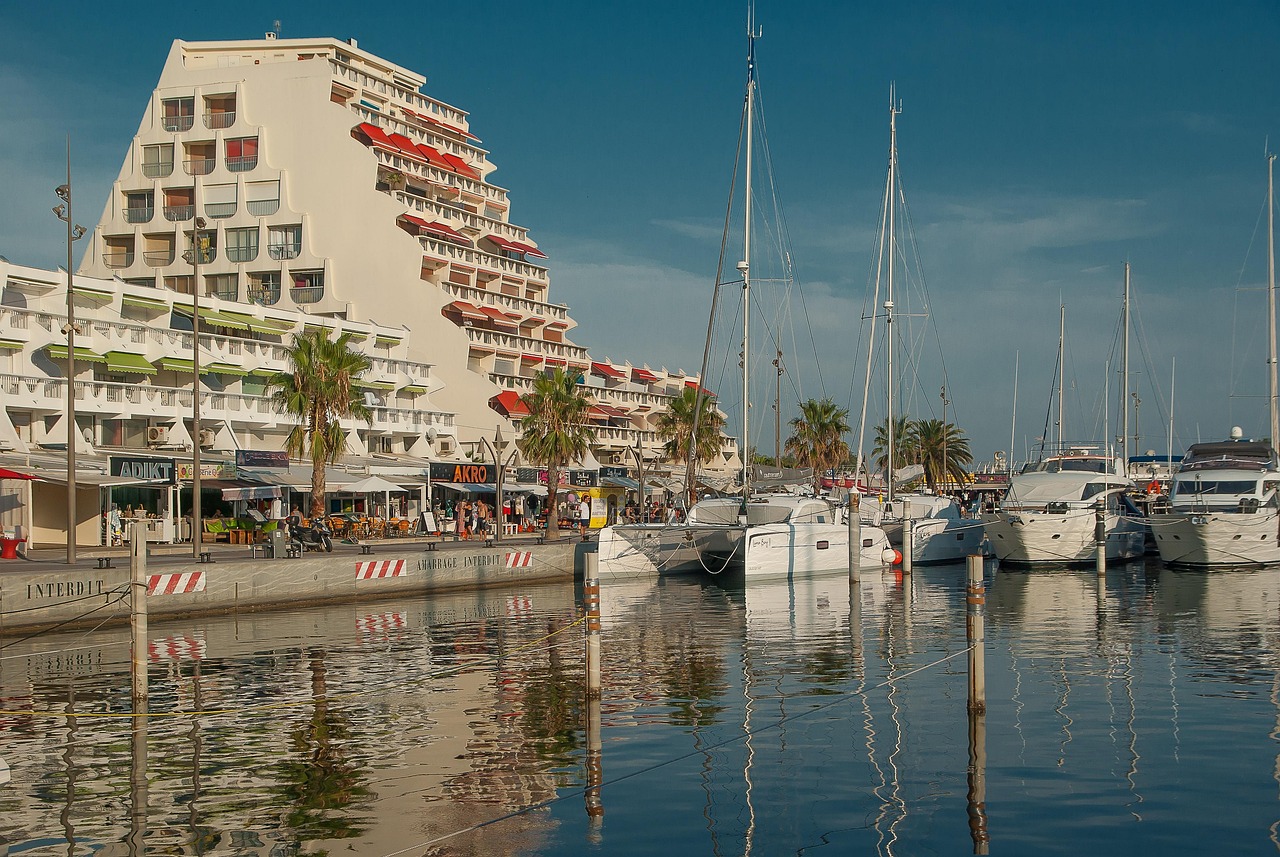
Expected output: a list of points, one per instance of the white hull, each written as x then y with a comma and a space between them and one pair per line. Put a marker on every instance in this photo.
1218, 539
938, 540
760, 551
1034, 537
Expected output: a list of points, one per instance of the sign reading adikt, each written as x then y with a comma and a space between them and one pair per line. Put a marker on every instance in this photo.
144, 469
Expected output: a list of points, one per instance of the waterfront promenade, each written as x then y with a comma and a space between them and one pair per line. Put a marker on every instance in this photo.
43, 591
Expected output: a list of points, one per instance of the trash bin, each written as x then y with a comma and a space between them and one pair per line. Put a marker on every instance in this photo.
279, 543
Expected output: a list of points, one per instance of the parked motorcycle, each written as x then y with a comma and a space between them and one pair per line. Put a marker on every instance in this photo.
316, 537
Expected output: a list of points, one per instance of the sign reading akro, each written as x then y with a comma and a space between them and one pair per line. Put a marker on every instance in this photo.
464, 473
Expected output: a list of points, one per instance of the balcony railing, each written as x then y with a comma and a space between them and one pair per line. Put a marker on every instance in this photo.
225, 119
263, 295
157, 169
179, 123
263, 207
242, 165
230, 292
307, 294
134, 214
178, 213
242, 254
283, 251
199, 166
158, 258
219, 210
118, 258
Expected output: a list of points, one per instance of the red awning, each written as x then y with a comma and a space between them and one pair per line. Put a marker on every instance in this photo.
416, 221
509, 402
377, 136
564, 324
644, 376
434, 156
608, 371
531, 358
407, 147
694, 385
440, 230
554, 361
504, 244
460, 166
467, 310
529, 251
5, 473
598, 413
498, 315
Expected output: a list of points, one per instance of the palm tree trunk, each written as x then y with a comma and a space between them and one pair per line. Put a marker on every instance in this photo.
553, 516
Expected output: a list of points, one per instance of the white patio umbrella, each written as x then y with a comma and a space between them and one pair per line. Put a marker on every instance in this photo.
374, 485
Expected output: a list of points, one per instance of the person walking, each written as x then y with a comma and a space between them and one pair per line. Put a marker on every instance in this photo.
584, 516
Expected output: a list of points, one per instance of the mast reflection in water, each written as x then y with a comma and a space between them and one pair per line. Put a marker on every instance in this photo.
784, 717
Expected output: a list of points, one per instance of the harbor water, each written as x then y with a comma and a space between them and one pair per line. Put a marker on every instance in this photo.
1141, 716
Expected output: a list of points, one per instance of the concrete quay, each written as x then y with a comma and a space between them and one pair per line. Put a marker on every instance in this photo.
43, 591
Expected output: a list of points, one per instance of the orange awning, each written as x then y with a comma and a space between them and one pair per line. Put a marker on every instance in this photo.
498, 315
407, 147
509, 402
460, 166
466, 310
644, 376
608, 371
377, 137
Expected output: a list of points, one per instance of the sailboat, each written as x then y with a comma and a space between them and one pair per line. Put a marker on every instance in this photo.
1224, 503
757, 536
940, 531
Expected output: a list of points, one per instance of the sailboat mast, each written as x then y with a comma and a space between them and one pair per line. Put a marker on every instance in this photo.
744, 267
888, 301
1124, 373
1271, 302
1062, 331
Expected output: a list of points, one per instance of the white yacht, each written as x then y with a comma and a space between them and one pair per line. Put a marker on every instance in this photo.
1048, 513
1222, 509
941, 532
776, 536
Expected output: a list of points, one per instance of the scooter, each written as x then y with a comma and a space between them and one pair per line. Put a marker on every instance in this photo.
316, 537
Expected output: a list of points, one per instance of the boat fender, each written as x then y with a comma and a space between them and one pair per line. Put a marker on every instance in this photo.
891, 557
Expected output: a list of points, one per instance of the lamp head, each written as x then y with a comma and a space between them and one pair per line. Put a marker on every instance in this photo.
64, 192
61, 211
77, 233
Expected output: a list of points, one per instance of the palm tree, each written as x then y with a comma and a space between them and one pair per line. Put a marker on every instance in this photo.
318, 391
817, 437
675, 426
943, 450
555, 432
903, 444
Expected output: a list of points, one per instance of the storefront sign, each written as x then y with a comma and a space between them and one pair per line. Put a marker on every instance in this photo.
584, 478
261, 458
613, 471
208, 471
467, 474
562, 478
146, 469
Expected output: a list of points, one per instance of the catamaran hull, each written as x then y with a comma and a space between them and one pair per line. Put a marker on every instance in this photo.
1040, 538
1217, 539
936, 540
644, 550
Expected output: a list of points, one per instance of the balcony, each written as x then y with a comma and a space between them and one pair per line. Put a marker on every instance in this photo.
225, 291
158, 169
158, 258
242, 254
220, 210
179, 123
199, 166
307, 294
242, 164
224, 119
118, 258
263, 207
179, 213
139, 215
283, 251
264, 295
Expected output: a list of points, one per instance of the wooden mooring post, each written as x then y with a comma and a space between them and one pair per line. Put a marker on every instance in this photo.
855, 536
975, 628
595, 764
138, 614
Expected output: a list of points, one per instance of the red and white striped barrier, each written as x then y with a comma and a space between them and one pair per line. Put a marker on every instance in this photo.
379, 625
187, 647
379, 568
519, 605
520, 559
175, 584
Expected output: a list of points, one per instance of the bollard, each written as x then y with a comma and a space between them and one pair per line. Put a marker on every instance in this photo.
138, 612
595, 768
855, 536
975, 631
1100, 539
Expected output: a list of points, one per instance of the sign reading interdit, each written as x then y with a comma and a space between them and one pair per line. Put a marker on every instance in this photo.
466, 474
145, 469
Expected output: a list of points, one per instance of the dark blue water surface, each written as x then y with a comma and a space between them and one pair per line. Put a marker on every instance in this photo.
776, 718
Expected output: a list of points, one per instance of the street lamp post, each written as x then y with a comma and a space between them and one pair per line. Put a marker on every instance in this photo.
638, 453
197, 256
74, 233
495, 450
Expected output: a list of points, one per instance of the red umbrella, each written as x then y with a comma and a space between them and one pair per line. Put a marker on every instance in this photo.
13, 474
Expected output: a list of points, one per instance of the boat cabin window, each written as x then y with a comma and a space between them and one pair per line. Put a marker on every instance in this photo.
1193, 487
1078, 465
1270, 485
1093, 489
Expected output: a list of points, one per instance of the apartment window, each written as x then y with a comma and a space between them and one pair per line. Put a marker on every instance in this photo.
181, 285
200, 159
207, 240
157, 250
179, 204
242, 244
219, 111
119, 251
308, 286
242, 154
220, 200
262, 198
178, 113
224, 286
264, 287
140, 206
284, 242
157, 161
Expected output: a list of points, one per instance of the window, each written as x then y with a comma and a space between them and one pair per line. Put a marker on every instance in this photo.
224, 286
242, 244
119, 251
200, 159
219, 111
242, 154
140, 206
157, 161
308, 286
284, 242
178, 113
220, 200
264, 287
179, 204
262, 198
157, 250
207, 239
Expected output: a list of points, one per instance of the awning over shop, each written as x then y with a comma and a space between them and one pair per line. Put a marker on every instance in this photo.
463, 488
256, 492
120, 361
619, 482
525, 488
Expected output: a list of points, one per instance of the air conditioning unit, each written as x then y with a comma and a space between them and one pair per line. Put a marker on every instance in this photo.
206, 437
157, 434
616, 458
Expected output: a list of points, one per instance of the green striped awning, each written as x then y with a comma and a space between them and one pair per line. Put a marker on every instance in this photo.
224, 369
413, 389
375, 385
232, 320
11, 345
177, 364
144, 303
263, 372
120, 361
96, 294
387, 339
83, 355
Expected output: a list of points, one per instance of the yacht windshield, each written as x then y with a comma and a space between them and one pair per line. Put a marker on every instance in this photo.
1201, 487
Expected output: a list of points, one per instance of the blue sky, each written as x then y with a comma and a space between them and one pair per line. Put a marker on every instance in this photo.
1042, 145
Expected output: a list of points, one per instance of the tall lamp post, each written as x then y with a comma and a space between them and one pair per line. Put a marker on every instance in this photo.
74, 233
199, 246
639, 455
495, 450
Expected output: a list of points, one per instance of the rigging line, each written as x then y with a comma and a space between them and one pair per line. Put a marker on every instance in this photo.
1235, 315
926, 296
65, 622
885, 206
698, 752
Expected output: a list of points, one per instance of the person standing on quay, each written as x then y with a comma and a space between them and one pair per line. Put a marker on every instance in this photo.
584, 516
